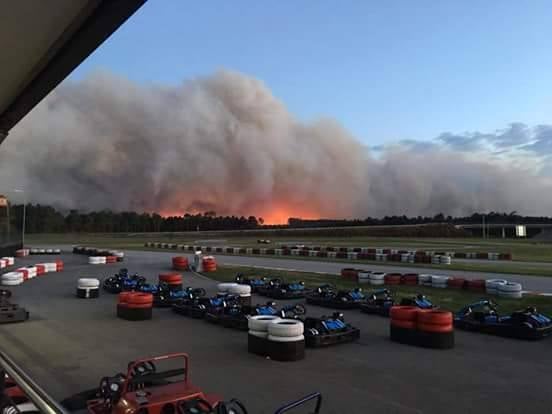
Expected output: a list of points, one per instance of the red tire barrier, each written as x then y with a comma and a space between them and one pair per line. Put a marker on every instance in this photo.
399, 323
349, 274
40, 269
476, 285
110, 259
23, 271
59, 265
410, 279
456, 283
435, 321
123, 296
392, 279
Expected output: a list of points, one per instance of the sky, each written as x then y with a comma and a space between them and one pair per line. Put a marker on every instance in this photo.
388, 71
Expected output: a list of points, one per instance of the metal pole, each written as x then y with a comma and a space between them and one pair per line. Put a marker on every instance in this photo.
23, 225
483, 227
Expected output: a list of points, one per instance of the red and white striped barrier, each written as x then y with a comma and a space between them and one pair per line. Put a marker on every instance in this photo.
20, 275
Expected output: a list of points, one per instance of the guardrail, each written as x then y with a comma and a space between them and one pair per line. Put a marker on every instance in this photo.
40, 398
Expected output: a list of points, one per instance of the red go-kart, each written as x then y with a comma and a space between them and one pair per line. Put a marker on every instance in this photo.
146, 390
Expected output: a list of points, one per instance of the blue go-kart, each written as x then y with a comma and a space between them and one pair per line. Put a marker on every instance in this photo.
378, 302
328, 296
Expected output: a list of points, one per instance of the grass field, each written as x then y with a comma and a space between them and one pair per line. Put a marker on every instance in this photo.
524, 251
451, 299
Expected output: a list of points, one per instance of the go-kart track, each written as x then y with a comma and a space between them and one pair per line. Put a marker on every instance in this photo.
69, 344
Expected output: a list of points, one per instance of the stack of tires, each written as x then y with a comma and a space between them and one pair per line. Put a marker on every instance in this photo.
377, 278
435, 259
110, 259
445, 260
424, 280
180, 263
364, 276
209, 264
29, 272
224, 288
456, 283
410, 279
22, 252
422, 327
88, 288
243, 291
173, 280
12, 278
439, 281
120, 256
476, 285
492, 285
40, 269
392, 279
59, 265
7, 261
285, 340
257, 339
135, 306
510, 290
96, 260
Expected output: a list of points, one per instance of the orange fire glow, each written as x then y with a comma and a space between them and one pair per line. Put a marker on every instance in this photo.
279, 214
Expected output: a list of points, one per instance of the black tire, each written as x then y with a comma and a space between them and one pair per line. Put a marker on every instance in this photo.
88, 293
134, 314
286, 351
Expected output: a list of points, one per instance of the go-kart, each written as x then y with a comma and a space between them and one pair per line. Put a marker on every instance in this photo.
277, 289
196, 305
378, 302
256, 283
483, 317
236, 316
420, 301
123, 282
164, 296
10, 312
329, 330
327, 295
144, 389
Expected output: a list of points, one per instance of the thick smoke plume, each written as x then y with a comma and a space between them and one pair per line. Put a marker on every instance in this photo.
224, 143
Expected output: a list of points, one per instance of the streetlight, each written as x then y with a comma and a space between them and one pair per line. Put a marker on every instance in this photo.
18, 190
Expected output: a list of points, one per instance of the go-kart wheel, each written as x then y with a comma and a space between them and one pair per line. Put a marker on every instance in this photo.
110, 388
195, 406
5, 294
231, 407
198, 292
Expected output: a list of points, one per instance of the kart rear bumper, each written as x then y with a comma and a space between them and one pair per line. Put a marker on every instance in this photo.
318, 341
374, 309
508, 331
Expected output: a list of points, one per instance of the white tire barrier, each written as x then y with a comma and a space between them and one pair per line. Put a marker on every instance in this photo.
424, 279
50, 267
84, 283
286, 338
259, 323
435, 259
12, 278
289, 328
377, 278
364, 277
510, 290
3, 263
352, 256
332, 255
445, 260
438, 281
95, 260
32, 271
240, 290
259, 334
225, 287
492, 285
9, 260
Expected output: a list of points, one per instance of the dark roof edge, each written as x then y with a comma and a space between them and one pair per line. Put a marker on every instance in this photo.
105, 19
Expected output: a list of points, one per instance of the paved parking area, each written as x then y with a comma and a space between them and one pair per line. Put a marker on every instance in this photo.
70, 343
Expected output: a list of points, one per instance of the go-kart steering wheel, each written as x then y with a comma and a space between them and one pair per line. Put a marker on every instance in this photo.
110, 388
143, 368
230, 407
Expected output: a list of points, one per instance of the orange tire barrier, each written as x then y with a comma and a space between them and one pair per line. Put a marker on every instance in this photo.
399, 323
138, 298
180, 263
456, 282
59, 265
209, 264
429, 327
435, 317
110, 259
404, 313
170, 277
123, 297
392, 279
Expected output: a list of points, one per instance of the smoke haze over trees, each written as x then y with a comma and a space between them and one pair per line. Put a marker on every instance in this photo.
225, 143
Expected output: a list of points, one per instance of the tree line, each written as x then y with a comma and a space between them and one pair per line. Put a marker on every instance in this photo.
47, 219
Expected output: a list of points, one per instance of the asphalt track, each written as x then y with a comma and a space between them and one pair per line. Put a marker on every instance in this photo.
70, 343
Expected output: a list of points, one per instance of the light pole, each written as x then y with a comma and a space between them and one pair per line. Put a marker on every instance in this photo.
18, 190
